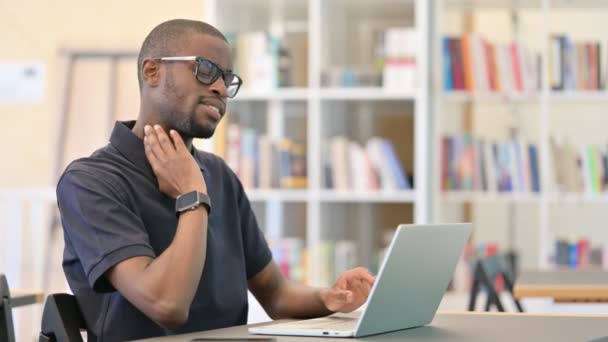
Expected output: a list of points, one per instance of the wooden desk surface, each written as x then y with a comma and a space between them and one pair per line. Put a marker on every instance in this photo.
25, 297
451, 326
563, 285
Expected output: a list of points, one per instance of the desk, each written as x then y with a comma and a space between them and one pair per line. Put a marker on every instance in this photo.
452, 326
24, 297
563, 285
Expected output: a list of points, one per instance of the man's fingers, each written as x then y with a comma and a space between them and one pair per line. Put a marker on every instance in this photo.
341, 296
177, 141
163, 139
345, 296
364, 274
342, 282
360, 287
359, 284
363, 289
352, 289
360, 274
149, 153
151, 138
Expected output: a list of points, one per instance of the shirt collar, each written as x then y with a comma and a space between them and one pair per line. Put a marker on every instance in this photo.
132, 147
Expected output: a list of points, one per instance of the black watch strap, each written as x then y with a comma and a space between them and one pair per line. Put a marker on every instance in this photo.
192, 200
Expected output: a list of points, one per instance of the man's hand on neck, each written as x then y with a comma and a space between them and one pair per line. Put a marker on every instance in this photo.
138, 130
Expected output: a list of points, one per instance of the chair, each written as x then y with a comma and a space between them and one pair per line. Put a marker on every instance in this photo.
7, 331
62, 319
484, 276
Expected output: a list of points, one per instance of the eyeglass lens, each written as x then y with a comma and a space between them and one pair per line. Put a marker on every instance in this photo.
208, 73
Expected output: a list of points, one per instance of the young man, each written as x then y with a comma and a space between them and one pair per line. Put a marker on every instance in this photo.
160, 238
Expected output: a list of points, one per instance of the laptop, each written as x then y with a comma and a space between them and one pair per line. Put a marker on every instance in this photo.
413, 277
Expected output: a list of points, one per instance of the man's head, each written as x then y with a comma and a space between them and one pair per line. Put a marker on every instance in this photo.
172, 95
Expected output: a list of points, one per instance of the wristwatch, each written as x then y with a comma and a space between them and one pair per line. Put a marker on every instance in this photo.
192, 200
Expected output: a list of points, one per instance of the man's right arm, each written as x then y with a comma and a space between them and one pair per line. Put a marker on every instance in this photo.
163, 287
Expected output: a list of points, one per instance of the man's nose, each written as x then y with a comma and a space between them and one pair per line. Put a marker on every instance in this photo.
219, 87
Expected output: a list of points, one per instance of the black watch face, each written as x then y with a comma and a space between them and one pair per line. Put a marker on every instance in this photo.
187, 200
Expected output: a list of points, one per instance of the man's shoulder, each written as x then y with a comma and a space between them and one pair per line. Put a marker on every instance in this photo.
98, 162
213, 162
102, 165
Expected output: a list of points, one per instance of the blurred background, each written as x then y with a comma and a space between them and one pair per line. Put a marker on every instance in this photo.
354, 117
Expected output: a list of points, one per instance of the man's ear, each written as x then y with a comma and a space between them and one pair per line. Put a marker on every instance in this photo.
150, 70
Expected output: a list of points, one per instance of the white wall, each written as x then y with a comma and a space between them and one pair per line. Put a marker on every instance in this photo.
38, 30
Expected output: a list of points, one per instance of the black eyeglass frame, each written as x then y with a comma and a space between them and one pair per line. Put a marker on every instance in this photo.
199, 60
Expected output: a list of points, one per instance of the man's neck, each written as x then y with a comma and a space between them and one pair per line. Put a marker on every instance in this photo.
138, 130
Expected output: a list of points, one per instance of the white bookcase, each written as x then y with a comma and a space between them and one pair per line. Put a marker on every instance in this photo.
338, 34
526, 221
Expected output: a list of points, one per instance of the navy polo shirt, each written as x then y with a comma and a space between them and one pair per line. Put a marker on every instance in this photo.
112, 210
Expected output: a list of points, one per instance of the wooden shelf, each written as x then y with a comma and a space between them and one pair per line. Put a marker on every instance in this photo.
554, 96
276, 94
365, 93
368, 196
474, 196
284, 195
523, 5
579, 96
577, 198
465, 96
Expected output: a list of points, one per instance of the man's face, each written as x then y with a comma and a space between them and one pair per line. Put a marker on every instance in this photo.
186, 105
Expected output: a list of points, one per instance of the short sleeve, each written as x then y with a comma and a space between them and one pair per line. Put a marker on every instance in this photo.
257, 252
101, 227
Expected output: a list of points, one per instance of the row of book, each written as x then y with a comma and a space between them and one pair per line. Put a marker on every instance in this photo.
575, 65
580, 253
292, 257
394, 63
259, 161
398, 52
336, 257
265, 62
351, 76
470, 164
375, 166
472, 63
582, 168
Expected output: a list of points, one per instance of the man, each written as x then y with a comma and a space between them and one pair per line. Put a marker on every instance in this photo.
160, 238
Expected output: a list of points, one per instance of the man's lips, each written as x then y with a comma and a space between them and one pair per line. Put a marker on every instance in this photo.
213, 111
218, 106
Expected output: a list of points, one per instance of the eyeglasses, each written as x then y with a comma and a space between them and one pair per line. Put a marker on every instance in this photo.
208, 72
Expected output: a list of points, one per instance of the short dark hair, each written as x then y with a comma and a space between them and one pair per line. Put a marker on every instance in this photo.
166, 38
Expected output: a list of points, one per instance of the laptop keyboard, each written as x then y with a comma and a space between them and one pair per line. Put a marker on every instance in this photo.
335, 323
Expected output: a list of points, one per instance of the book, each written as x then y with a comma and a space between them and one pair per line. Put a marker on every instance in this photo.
447, 64
472, 164
475, 64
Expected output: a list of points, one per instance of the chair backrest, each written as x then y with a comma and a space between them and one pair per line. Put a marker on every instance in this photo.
62, 319
7, 331
486, 271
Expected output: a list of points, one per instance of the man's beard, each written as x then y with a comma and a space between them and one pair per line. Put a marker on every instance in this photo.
186, 125
183, 122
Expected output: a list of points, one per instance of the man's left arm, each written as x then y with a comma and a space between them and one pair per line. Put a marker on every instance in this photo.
282, 298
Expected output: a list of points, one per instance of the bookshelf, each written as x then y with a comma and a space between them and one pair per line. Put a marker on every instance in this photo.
485, 196
329, 80
279, 95
530, 222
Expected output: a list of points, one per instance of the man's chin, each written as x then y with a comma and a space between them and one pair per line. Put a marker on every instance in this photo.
203, 132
